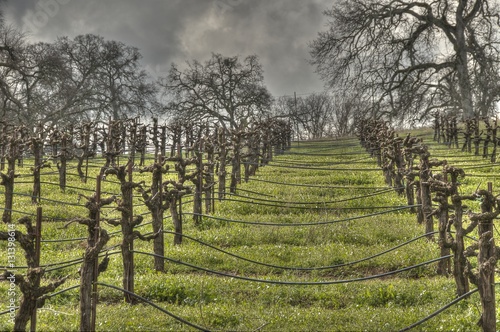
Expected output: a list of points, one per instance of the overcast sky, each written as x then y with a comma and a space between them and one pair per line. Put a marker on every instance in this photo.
166, 31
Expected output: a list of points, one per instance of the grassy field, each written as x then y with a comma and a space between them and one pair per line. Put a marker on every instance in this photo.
274, 257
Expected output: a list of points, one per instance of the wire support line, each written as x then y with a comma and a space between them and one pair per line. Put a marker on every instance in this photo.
303, 283
322, 168
318, 268
48, 296
325, 154
62, 291
320, 186
66, 186
481, 175
56, 184
249, 191
45, 199
8, 311
310, 208
313, 203
48, 173
76, 263
321, 144
437, 312
257, 223
454, 156
364, 160
441, 147
481, 166
143, 299
321, 147
76, 260
64, 240
17, 211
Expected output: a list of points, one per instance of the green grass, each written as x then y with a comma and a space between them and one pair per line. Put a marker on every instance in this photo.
229, 303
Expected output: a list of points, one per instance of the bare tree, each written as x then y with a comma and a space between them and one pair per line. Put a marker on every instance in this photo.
315, 116
226, 89
423, 53
109, 76
347, 108
285, 107
315, 112
71, 80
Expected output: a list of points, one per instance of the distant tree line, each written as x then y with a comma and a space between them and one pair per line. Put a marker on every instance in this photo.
88, 78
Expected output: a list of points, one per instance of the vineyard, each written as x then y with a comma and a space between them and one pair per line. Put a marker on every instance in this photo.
130, 226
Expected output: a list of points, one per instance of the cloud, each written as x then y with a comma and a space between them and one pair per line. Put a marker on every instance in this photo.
277, 31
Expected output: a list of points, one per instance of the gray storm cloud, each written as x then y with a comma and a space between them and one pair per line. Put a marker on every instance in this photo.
277, 31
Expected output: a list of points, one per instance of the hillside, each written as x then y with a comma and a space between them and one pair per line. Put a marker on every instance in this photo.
315, 241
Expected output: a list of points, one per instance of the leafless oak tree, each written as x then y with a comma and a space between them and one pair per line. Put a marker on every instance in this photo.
71, 80
226, 89
413, 56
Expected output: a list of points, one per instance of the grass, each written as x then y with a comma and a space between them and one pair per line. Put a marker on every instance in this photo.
332, 234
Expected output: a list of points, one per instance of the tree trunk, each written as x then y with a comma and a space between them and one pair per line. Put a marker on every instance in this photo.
462, 63
37, 152
157, 215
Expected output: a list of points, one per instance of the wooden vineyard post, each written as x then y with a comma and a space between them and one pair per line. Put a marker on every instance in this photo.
494, 140
486, 263
142, 143
197, 179
3, 138
208, 171
132, 140
155, 140
12, 151
163, 141
37, 149
222, 144
38, 236
236, 138
97, 227
130, 266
